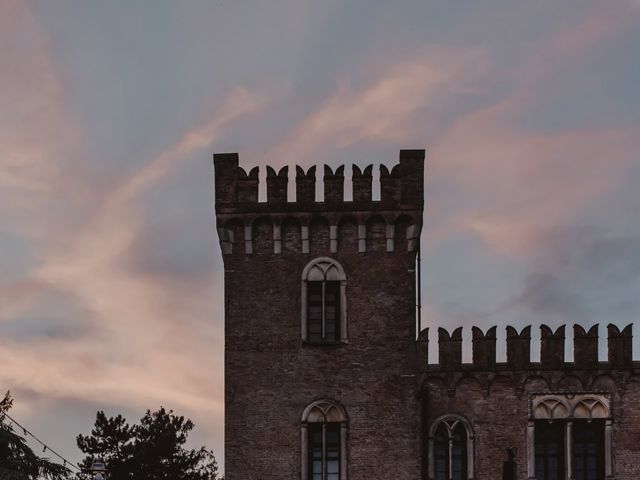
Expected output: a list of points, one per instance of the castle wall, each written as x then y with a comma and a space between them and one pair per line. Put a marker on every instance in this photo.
496, 397
271, 375
381, 375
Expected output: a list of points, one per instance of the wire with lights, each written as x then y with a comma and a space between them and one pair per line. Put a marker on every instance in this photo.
45, 447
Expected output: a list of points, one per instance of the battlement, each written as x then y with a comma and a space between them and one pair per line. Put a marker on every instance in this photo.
552, 347
247, 226
400, 187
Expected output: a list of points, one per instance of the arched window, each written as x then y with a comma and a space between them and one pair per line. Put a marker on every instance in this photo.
451, 449
324, 441
569, 436
324, 309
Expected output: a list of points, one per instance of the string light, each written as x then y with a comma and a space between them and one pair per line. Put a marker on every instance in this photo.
45, 447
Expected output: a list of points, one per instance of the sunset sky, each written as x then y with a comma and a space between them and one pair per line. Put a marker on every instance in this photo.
110, 270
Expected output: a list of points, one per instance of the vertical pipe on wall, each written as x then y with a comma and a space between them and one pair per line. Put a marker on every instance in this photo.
418, 293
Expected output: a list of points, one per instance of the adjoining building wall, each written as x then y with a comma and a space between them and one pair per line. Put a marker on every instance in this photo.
499, 399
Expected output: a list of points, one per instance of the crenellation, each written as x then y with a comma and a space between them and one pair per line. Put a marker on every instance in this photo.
450, 348
277, 185
247, 185
620, 345
518, 347
381, 226
226, 179
400, 187
305, 185
585, 346
390, 184
551, 346
333, 185
412, 176
484, 348
422, 349
362, 184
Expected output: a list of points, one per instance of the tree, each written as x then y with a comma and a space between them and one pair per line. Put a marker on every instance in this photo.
151, 450
17, 460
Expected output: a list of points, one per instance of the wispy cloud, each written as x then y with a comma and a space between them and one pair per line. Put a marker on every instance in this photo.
139, 325
388, 108
34, 126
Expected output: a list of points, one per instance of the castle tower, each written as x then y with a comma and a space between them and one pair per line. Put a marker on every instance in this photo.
320, 323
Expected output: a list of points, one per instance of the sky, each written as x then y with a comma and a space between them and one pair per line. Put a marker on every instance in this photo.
111, 278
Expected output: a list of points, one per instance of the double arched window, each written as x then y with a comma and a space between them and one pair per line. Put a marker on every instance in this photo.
569, 436
324, 441
451, 449
324, 309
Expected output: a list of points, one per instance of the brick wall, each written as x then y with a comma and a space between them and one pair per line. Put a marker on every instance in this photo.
381, 376
271, 375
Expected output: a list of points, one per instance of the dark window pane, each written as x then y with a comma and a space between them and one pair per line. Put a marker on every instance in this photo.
588, 449
314, 311
549, 450
314, 444
325, 462
441, 453
333, 447
459, 453
332, 310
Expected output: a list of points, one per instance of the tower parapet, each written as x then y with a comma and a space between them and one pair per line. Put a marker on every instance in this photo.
399, 208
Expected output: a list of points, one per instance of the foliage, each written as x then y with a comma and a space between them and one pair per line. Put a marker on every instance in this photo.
151, 450
17, 460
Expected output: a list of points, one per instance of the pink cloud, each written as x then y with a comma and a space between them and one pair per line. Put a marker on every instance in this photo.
385, 110
33, 125
572, 43
141, 325
516, 182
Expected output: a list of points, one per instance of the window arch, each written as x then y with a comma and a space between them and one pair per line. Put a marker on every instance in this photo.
451, 449
570, 435
324, 441
324, 306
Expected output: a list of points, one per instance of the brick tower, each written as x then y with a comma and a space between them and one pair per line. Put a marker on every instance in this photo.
320, 323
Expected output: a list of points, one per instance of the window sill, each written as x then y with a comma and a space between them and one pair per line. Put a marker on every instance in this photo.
324, 344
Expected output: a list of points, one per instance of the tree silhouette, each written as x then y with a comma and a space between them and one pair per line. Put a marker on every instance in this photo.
17, 460
151, 450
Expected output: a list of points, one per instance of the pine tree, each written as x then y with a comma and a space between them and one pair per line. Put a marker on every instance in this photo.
17, 460
151, 450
